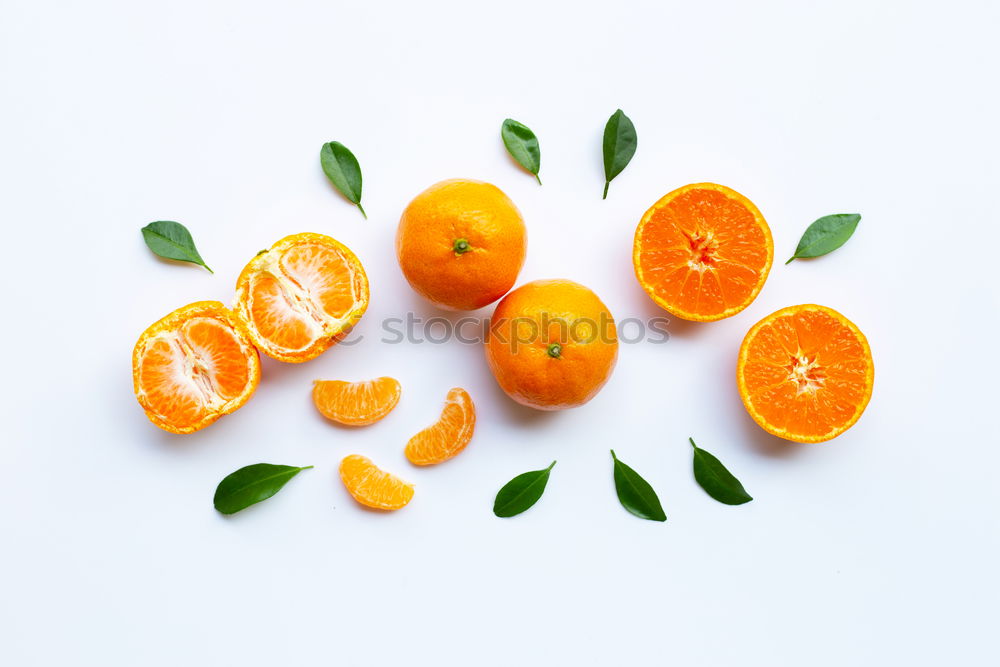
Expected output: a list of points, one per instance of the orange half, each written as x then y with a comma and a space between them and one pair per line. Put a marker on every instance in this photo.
356, 403
193, 366
703, 252
373, 487
805, 373
301, 296
449, 435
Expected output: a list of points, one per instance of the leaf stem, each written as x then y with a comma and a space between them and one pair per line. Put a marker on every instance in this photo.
538, 179
606, 184
306, 467
551, 465
208, 269
691, 440
362, 211
790, 260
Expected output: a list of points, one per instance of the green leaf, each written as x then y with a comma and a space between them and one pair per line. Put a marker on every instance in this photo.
717, 481
635, 494
826, 235
252, 484
619, 146
522, 144
522, 492
343, 170
172, 240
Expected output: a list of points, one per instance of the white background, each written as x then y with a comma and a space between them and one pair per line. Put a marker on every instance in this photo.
880, 547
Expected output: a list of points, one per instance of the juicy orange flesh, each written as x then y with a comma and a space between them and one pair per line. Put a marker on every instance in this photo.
449, 435
171, 392
324, 274
214, 345
356, 403
278, 317
289, 304
704, 252
373, 487
186, 373
806, 373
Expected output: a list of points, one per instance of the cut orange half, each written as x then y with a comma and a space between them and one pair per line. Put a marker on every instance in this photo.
703, 252
805, 373
447, 436
373, 487
301, 296
193, 366
356, 403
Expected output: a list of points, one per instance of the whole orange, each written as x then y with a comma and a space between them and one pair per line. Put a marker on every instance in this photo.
552, 344
461, 244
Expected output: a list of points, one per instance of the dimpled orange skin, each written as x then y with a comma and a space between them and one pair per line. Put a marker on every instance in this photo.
461, 244
546, 347
194, 366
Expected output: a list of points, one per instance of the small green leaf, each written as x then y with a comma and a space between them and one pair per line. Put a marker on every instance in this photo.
343, 170
252, 484
522, 144
522, 492
619, 146
635, 494
826, 235
172, 240
717, 481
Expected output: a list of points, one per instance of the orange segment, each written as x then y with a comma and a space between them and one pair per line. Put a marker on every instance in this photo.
703, 252
805, 373
373, 487
356, 403
448, 435
193, 366
301, 296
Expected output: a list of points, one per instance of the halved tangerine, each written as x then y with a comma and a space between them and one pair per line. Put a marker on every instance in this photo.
356, 403
193, 366
805, 373
447, 436
301, 296
373, 487
703, 252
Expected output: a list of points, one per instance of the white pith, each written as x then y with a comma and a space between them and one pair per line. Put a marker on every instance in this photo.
806, 373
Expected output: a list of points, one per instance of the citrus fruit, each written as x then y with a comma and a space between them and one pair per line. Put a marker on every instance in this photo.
373, 487
461, 244
552, 344
805, 373
702, 252
193, 366
448, 435
301, 296
356, 403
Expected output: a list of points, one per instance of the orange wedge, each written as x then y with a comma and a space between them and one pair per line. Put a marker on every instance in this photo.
301, 296
805, 373
702, 252
448, 435
193, 366
373, 487
356, 403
